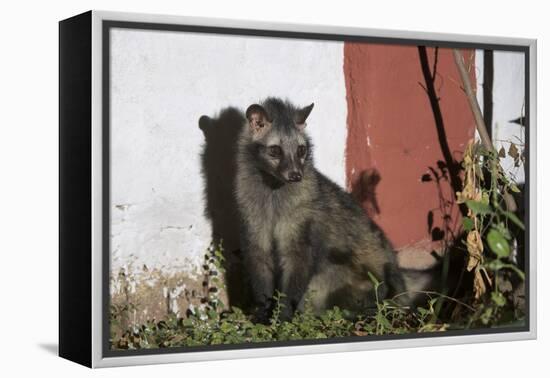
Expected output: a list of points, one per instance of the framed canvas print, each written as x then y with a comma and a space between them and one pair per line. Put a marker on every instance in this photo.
232, 189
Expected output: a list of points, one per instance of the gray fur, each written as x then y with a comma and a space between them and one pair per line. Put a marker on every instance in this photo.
305, 236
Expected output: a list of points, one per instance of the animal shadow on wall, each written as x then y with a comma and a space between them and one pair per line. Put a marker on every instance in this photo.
364, 190
218, 163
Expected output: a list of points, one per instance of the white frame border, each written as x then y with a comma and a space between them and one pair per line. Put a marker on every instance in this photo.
97, 304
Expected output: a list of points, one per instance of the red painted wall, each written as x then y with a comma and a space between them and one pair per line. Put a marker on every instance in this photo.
393, 137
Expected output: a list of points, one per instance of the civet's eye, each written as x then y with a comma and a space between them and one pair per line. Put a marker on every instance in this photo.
275, 151
301, 151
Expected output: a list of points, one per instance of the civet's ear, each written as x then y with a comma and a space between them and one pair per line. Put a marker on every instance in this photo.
258, 121
301, 116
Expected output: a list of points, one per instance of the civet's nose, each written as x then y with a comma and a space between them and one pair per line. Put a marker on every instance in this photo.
294, 177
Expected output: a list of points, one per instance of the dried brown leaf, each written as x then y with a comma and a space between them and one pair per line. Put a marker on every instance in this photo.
513, 151
475, 249
479, 285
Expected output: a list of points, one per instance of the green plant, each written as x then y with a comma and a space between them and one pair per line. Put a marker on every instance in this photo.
491, 232
211, 323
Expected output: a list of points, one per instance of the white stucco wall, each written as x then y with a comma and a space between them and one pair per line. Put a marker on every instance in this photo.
161, 83
508, 103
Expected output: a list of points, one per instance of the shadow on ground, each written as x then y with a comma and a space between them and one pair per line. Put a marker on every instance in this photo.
51, 348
